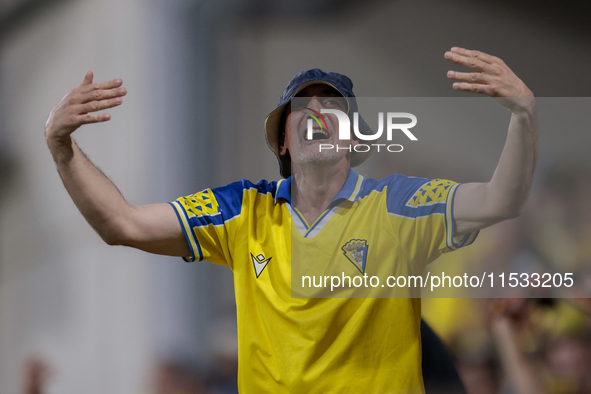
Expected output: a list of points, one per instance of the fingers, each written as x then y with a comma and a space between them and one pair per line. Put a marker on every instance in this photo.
477, 54
97, 95
114, 83
92, 97
468, 77
470, 59
76, 121
77, 107
94, 106
87, 80
88, 91
472, 82
475, 88
492, 76
93, 118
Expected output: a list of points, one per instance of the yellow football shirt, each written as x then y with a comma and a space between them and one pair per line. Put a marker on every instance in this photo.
312, 340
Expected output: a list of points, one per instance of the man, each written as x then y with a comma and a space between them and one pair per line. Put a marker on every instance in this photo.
313, 345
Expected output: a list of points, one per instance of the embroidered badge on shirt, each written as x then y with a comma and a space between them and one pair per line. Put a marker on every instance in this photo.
356, 251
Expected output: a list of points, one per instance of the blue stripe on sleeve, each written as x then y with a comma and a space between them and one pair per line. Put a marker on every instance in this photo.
185, 225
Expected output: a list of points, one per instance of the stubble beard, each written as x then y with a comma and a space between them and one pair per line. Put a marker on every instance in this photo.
313, 156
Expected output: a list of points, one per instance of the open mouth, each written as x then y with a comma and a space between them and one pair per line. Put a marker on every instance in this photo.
317, 134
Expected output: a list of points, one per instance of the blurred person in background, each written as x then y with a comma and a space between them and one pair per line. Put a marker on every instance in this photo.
34, 375
539, 340
301, 344
508, 319
543, 345
178, 377
169, 376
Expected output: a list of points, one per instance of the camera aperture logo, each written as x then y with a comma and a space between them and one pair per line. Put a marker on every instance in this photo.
310, 127
345, 129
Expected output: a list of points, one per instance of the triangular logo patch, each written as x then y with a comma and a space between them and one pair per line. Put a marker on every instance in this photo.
259, 263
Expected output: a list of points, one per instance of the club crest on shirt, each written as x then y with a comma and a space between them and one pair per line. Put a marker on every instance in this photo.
356, 251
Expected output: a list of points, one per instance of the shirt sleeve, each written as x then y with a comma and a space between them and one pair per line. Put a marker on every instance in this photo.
421, 212
206, 219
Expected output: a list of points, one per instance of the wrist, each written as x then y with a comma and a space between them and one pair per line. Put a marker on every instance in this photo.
61, 148
524, 106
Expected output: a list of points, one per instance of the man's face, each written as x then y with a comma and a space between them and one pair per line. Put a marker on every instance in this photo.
301, 149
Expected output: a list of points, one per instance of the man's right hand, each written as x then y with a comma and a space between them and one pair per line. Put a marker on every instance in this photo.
78, 107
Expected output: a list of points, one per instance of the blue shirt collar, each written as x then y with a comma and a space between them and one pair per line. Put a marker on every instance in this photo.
349, 191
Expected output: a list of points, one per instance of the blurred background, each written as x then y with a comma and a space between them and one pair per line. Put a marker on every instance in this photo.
202, 76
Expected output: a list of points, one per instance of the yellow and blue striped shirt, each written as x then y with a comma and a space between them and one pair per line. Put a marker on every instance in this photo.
303, 343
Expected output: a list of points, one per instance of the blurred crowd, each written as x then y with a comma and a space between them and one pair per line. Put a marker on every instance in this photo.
172, 376
521, 344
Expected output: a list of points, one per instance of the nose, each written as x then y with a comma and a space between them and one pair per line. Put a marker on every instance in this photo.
315, 103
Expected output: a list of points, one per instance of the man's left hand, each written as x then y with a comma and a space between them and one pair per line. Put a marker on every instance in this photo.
491, 77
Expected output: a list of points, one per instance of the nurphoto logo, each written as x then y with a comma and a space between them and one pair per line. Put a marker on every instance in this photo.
345, 129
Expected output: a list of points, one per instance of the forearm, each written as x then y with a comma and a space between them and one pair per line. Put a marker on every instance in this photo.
479, 205
509, 188
97, 198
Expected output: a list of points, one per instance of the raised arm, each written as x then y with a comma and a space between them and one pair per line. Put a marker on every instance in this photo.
479, 205
153, 228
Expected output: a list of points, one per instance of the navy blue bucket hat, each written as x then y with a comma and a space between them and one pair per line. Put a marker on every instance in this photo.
300, 81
